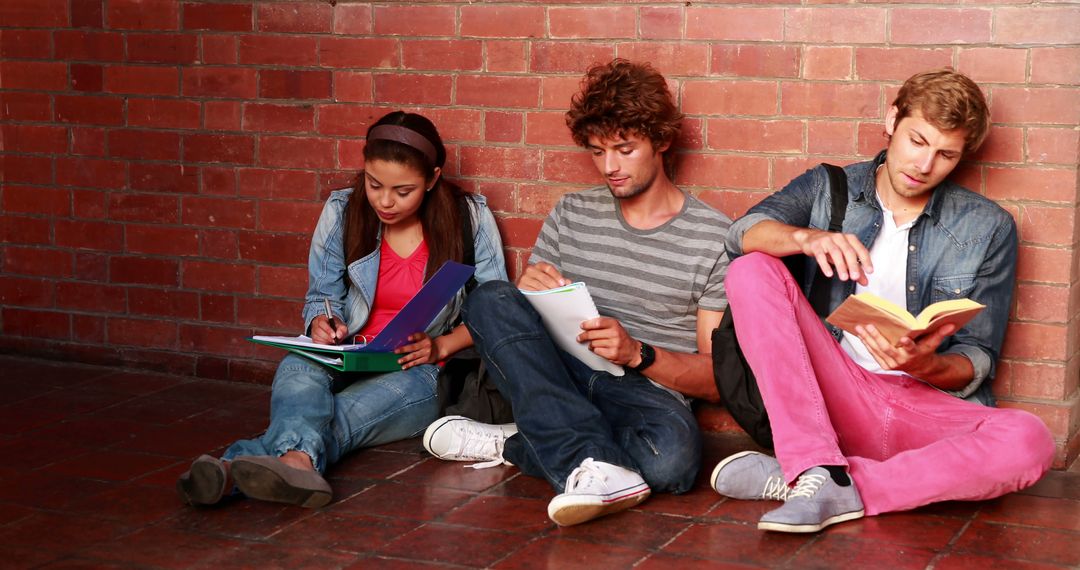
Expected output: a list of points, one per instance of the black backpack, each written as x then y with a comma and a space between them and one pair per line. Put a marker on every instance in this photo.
734, 379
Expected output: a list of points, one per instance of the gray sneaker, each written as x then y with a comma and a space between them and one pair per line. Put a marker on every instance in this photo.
749, 475
815, 503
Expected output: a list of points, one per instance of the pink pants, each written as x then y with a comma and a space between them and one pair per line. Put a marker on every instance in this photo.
905, 443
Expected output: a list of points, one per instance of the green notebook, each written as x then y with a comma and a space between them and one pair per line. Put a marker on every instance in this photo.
339, 357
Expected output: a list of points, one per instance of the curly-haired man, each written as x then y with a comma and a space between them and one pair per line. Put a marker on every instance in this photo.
653, 259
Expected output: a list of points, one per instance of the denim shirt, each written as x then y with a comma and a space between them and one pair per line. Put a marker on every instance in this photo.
961, 245
352, 297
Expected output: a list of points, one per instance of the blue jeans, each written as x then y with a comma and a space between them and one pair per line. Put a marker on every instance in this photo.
567, 412
326, 414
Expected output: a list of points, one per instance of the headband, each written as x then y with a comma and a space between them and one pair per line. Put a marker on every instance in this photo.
407, 137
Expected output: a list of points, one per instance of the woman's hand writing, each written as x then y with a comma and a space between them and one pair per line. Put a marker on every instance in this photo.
323, 333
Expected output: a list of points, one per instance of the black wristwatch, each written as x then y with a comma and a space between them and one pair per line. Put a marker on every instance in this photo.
648, 356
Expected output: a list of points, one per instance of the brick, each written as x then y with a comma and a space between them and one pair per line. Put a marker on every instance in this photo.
34, 13
1037, 25
162, 48
502, 127
830, 137
222, 277
218, 212
36, 200
295, 84
519, 232
29, 44
592, 22
34, 138
163, 113
26, 292
691, 136
413, 89
1053, 146
350, 155
128, 207
537, 199
91, 266
89, 46
280, 216
358, 52
219, 82
38, 324
275, 248
500, 162
670, 58
44, 262
163, 303
268, 117
498, 91
95, 297
44, 75
1035, 105
897, 64
273, 281
1004, 144
87, 14
215, 340
1042, 303
836, 25
994, 65
753, 24
156, 333
506, 55
218, 308
88, 141
81, 234
1035, 341
1044, 185
88, 109
277, 184
142, 80
222, 115
353, 86
502, 21
217, 244
174, 178
924, 25
547, 128
733, 203
574, 167
27, 169
219, 50
218, 17
89, 204
455, 124
729, 97
143, 14
755, 136
752, 60
266, 313
296, 17
219, 148
142, 144
347, 120
91, 173
352, 19
159, 240
548, 57
1047, 225
424, 20
724, 171
442, 54
1055, 65
219, 181
278, 50
871, 138
24, 230
660, 22
90, 78
500, 195
296, 152
15, 106
1042, 381
830, 100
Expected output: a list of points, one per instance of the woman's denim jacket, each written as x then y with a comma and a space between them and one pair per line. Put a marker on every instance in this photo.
352, 298
962, 245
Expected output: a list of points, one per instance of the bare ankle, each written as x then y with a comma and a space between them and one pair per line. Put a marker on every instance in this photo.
297, 459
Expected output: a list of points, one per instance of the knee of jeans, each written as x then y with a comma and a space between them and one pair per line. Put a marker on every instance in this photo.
486, 294
675, 465
747, 271
1031, 438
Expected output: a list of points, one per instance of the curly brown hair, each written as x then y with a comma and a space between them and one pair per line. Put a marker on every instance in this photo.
948, 100
620, 98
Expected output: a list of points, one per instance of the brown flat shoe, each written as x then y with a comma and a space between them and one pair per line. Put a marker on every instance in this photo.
204, 483
268, 479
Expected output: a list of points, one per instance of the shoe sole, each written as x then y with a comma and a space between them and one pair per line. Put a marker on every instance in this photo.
577, 513
263, 483
804, 528
203, 484
724, 463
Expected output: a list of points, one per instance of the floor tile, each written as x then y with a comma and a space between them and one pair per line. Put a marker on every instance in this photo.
555, 553
416, 502
373, 562
902, 529
95, 431
670, 562
1020, 543
953, 561
695, 503
1033, 511
269, 557
1057, 485
159, 547
522, 485
58, 533
737, 543
132, 504
511, 514
357, 534
454, 475
839, 551
633, 528
237, 517
374, 464
110, 465
46, 490
456, 545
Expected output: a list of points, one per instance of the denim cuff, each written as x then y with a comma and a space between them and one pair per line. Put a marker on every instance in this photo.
980, 361
738, 230
295, 444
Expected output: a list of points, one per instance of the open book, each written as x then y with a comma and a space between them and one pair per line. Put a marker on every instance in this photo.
893, 321
563, 309
378, 353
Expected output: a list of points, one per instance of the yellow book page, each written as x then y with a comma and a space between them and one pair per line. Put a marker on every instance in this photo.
942, 308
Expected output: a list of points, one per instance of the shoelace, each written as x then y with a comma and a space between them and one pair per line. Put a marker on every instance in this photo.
478, 443
776, 488
586, 475
807, 485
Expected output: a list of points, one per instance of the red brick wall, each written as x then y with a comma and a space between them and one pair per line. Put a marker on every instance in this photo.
164, 160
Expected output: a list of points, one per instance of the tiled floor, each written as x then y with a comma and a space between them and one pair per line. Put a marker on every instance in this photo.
92, 454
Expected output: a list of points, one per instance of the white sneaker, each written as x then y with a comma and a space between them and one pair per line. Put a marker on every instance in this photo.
596, 489
457, 438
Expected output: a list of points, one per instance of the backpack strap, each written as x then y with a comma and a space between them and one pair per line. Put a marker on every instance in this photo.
820, 288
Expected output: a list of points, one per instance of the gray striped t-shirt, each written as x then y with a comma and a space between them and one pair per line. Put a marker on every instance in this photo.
653, 281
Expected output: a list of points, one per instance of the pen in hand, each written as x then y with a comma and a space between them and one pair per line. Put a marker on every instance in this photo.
330, 320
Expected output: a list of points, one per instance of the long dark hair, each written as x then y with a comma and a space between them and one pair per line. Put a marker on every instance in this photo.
440, 212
